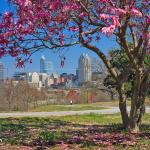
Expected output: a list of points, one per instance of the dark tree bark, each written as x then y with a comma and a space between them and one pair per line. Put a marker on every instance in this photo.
138, 101
123, 106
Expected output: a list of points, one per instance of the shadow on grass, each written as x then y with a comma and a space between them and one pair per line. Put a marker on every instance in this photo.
45, 132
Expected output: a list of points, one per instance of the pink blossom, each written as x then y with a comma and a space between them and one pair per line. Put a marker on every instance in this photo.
83, 14
58, 20
24, 2
120, 11
103, 16
13, 53
3, 40
61, 42
20, 63
20, 38
66, 8
7, 18
108, 30
97, 38
74, 28
2, 52
115, 21
62, 63
147, 20
8, 34
30, 61
135, 12
8, 14
127, 8
26, 52
103, 1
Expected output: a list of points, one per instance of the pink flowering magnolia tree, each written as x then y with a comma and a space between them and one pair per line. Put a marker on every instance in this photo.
56, 24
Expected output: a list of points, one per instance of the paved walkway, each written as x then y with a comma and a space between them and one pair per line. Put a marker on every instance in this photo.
110, 110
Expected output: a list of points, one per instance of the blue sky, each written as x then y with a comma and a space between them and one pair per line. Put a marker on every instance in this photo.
72, 54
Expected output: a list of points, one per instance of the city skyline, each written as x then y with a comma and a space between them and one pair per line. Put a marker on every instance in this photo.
46, 66
70, 66
49, 79
71, 54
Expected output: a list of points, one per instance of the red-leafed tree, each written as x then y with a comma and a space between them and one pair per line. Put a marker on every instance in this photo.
49, 24
72, 95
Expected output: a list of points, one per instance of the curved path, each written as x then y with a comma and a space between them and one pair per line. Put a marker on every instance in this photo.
110, 110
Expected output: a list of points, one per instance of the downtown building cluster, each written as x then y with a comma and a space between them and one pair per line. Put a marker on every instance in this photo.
48, 78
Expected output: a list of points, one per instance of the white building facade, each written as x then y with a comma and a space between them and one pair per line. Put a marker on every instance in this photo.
33, 77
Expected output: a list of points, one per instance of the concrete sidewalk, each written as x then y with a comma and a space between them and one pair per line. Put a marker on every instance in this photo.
110, 110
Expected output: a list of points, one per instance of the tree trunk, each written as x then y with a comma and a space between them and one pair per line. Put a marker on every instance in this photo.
134, 127
138, 101
136, 62
9, 105
112, 95
137, 112
123, 106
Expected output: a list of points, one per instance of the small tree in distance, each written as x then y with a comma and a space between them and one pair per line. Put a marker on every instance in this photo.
8, 93
62, 23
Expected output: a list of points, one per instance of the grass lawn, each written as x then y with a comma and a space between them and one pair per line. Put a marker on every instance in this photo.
78, 132
75, 107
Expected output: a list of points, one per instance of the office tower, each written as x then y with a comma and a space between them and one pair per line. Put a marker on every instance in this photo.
45, 66
84, 69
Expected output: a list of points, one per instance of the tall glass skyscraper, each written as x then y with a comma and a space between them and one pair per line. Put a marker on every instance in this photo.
1, 71
45, 66
84, 69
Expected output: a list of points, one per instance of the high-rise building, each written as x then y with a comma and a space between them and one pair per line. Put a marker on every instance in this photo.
43, 77
20, 76
1, 71
84, 69
45, 66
